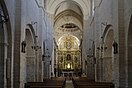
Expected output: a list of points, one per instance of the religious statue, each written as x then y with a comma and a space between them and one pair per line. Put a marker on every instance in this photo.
68, 57
23, 44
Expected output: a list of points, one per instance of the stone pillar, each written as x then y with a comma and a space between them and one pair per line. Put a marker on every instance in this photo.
129, 79
40, 35
1, 57
17, 36
121, 37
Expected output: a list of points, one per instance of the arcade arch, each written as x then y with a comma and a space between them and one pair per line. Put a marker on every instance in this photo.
30, 58
84, 5
108, 53
5, 46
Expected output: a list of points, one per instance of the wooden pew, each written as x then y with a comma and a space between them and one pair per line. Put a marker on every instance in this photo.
43, 85
94, 85
81, 80
55, 79
86, 83
47, 83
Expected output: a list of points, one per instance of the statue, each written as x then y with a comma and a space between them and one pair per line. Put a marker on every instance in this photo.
68, 57
115, 46
23, 44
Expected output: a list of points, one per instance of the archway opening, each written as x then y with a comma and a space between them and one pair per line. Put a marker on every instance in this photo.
5, 46
108, 55
30, 58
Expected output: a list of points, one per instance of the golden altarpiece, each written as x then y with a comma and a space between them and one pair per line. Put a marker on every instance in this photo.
68, 56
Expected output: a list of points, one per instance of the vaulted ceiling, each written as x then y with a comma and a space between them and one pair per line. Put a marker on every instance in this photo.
85, 5
69, 16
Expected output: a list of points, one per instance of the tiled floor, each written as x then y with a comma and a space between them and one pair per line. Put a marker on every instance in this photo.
69, 84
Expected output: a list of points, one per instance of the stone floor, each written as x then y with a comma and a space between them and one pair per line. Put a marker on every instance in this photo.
69, 84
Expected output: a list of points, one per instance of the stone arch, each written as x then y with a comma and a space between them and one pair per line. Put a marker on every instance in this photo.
52, 6
29, 26
60, 40
108, 38
5, 47
79, 11
30, 54
129, 46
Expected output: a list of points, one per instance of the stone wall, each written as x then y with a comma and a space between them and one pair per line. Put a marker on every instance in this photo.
127, 22
117, 14
21, 13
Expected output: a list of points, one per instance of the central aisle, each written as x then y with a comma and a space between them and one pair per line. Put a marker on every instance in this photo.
69, 84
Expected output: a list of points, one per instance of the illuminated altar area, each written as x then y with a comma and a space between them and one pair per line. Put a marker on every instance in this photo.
68, 56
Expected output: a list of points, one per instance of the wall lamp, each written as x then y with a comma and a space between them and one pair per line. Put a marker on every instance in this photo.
36, 47
46, 56
90, 56
102, 48
4, 19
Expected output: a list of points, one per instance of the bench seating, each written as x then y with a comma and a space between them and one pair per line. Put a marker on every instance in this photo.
86, 83
47, 83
